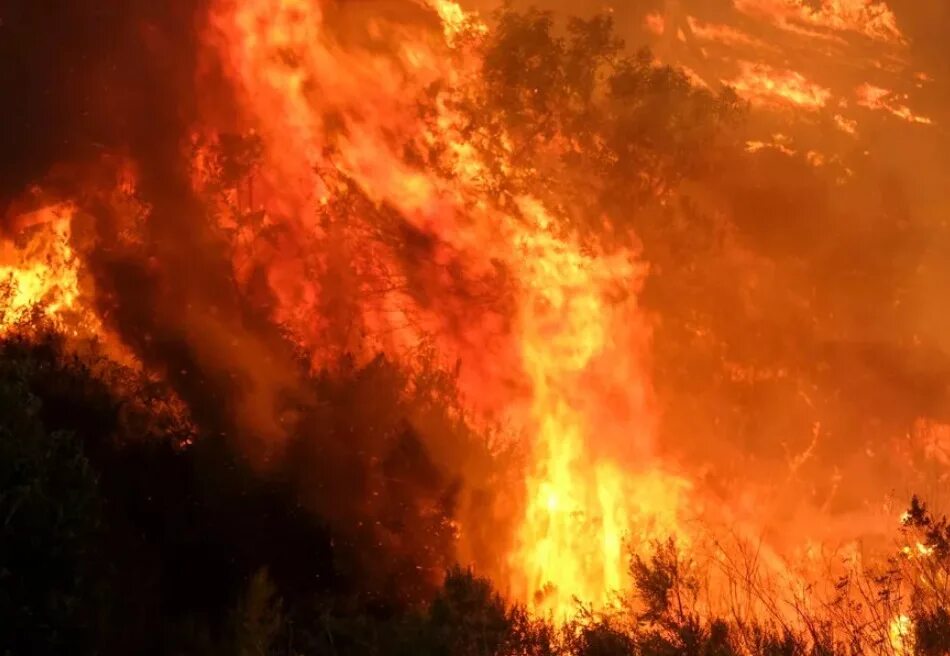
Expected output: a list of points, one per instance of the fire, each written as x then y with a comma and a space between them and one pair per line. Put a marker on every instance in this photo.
877, 98
901, 635
726, 35
41, 273
655, 23
764, 85
584, 355
779, 142
455, 20
870, 18
567, 360
371, 220
846, 125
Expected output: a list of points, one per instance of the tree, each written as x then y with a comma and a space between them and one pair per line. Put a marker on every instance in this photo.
595, 128
49, 521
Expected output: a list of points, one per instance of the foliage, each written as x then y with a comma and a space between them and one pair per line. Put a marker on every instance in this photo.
110, 541
49, 516
598, 129
259, 617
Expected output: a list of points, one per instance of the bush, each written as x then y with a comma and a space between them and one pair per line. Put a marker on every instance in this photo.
49, 524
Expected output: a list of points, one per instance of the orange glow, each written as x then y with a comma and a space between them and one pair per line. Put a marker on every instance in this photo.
655, 23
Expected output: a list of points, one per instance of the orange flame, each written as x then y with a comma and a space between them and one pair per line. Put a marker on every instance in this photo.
901, 635
41, 273
763, 85
328, 115
870, 18
877, 98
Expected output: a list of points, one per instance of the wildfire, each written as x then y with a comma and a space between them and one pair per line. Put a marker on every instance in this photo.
779, 142
370, 221
726, 35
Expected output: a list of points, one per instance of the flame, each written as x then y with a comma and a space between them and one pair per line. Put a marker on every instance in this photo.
763, 85
877, 98
566, 364
846, 125
779, 142
870, 18
655, 23
42, 275
584, 355
41, 272
725, 34
456, 21
900, 635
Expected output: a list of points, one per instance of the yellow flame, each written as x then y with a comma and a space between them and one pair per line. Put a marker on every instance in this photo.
901, 635
41, 273
581, 506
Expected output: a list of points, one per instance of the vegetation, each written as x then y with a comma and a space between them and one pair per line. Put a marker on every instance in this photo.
114, 544
599, 130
